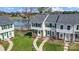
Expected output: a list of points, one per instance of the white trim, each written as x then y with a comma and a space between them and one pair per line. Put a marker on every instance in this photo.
43, 26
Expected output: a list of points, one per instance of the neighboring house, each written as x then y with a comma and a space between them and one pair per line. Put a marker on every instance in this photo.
21, 24
6, 28
63, 26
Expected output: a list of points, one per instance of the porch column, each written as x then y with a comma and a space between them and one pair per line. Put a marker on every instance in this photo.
37, 32
44, 32
65, 37
69, 37
73, 37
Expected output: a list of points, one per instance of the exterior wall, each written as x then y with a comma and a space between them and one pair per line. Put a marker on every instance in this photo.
64, 30
47, 28
7, 30
0, 28
64, 33
1, 37
36, 28
61, 35
21, 28
75, 26
37, 32
6, 33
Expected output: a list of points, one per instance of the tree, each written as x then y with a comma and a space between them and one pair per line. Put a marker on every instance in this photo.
41, 9
45, 10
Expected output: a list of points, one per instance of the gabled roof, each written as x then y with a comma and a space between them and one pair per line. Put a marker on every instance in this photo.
5, 20
52, 18
38, 18
68, 19
71, 19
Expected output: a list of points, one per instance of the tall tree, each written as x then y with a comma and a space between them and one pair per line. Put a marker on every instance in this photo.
44, 9
41, 9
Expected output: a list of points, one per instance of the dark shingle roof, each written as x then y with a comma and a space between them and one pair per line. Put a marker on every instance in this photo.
68, 19
52, 18
38, 18
5, 20
63, 18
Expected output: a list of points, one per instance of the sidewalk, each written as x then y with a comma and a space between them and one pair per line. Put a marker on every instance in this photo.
42, 44
40, 48
10, 45
34, 43
1, 48
66, 46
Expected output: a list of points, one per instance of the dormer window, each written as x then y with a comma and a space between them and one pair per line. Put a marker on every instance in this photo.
77, 27
61, 26
68, 27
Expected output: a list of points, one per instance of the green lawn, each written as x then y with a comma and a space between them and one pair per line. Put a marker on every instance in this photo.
21, 42
24, 43
54, 46
74, 47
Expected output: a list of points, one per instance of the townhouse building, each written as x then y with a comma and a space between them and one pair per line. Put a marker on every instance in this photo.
62, 26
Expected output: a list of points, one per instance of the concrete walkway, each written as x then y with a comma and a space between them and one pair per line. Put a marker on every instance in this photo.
1, 48
40, 48
10, 45
66, 46
9, 48
42, 44
34, 43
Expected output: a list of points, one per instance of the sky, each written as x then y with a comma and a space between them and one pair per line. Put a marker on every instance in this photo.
16, 9
65, 9
20, 9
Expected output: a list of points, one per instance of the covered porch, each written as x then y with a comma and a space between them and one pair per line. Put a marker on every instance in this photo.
66, 36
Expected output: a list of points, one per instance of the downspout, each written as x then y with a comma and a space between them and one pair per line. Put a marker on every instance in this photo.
43, 26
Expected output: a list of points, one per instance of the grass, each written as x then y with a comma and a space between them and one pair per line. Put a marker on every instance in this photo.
24, 43
54, 46
21, 42
74, 47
